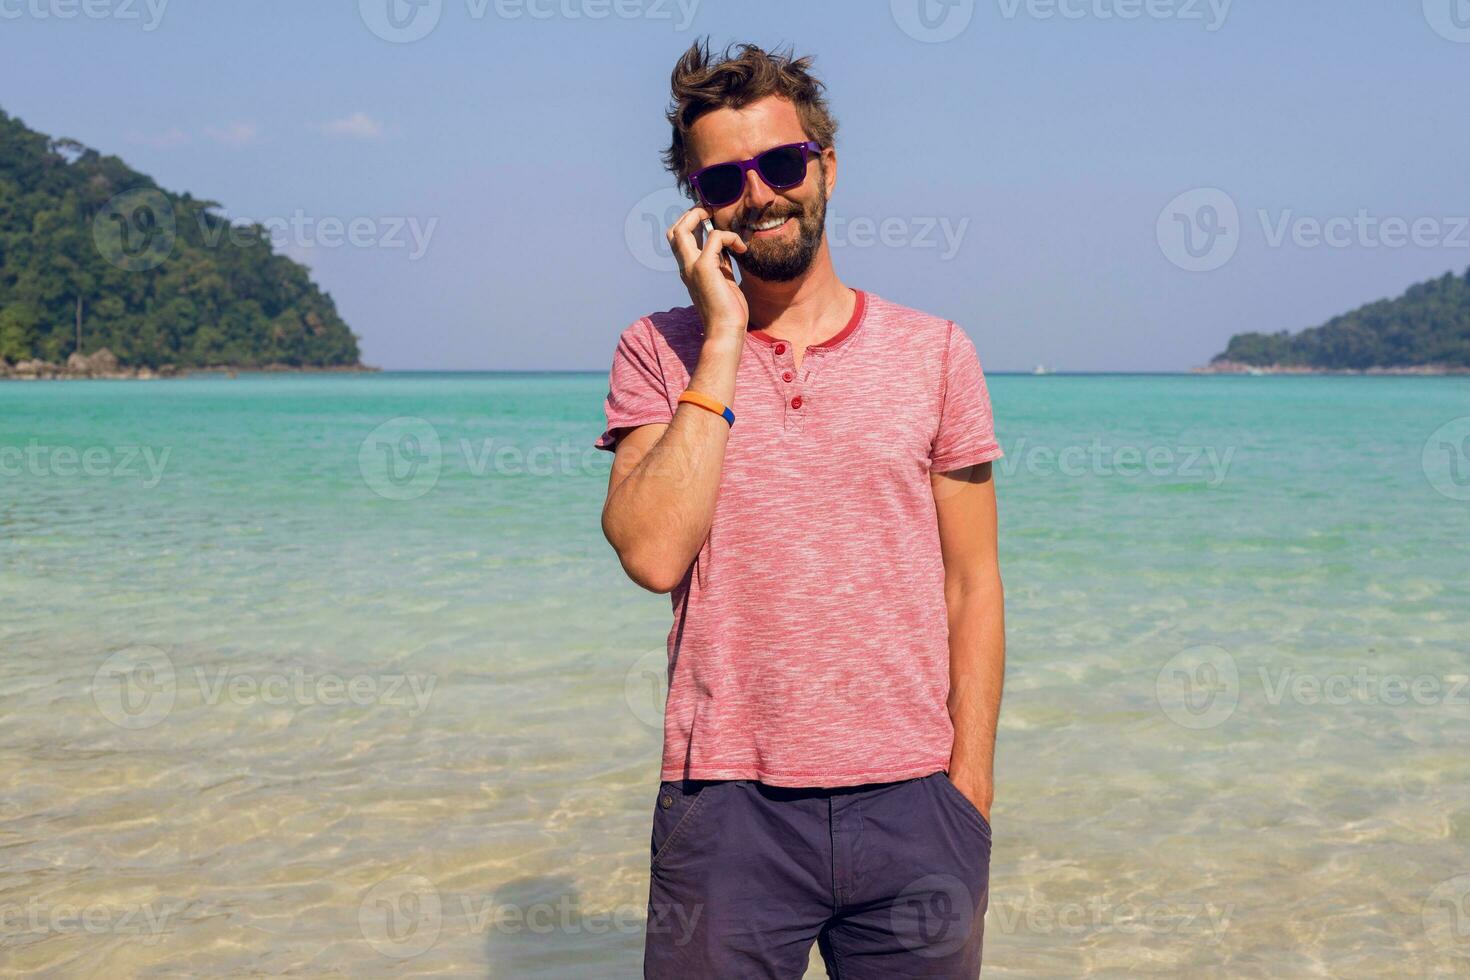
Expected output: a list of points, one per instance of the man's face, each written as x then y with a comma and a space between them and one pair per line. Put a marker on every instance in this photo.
782, 229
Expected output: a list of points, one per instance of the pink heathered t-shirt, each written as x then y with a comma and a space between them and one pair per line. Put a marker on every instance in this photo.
810, 638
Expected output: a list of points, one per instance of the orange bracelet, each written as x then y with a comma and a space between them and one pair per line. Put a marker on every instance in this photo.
709, 404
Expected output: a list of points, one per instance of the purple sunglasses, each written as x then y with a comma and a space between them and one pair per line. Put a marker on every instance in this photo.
780, 167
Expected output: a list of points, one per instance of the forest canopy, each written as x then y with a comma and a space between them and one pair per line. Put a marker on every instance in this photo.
1427, 326
161, 278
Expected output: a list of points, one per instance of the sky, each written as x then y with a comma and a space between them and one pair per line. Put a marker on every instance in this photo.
1093, 185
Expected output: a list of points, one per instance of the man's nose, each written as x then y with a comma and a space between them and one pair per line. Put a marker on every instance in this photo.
757, 192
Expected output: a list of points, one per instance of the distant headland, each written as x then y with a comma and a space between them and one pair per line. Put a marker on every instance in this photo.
105, 274
1424, 331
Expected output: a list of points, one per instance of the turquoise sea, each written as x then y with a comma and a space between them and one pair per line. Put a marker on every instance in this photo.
336, 676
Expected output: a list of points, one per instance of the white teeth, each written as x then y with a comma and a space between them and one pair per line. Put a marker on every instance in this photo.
770, 223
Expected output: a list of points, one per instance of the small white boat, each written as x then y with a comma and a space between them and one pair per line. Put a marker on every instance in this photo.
1041, 369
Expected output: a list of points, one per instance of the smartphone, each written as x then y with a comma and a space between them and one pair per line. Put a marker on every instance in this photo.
709, 229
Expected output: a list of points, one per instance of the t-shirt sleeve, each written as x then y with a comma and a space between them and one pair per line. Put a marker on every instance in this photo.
966, 433
636, 392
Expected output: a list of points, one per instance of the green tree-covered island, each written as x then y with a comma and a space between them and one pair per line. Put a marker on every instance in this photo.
1424, 331
105, 274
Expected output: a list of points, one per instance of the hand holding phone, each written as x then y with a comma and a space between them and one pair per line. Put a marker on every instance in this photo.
709, 273
709, 229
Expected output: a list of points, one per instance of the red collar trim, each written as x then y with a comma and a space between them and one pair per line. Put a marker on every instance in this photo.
857, 314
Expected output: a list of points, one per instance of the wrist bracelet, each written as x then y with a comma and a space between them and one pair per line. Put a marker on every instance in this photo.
708, 404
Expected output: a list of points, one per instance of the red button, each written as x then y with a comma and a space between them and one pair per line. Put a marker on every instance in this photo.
780, 348
786, 375
796, 402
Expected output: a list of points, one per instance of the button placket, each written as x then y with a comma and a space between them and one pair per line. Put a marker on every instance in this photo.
790, 385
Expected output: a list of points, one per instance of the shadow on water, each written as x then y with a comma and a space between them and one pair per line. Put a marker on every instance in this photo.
542, 927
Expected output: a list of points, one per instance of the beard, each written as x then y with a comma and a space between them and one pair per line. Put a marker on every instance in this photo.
782, 260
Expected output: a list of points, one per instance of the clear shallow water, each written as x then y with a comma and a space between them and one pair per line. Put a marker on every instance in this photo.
287, 687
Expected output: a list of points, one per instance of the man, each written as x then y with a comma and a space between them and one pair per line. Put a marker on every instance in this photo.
805, 467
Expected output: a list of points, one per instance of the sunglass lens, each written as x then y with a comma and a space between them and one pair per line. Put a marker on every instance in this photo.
783, 166
721, 185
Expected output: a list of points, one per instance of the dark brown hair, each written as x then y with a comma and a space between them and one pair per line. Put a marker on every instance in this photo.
702, 83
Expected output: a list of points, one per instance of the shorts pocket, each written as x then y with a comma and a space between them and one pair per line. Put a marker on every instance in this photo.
963, 802
674, 814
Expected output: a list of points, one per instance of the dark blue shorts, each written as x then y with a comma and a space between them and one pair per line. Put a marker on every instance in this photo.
889, 879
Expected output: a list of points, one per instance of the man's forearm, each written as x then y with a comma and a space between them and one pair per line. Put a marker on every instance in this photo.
976, 676
658, 516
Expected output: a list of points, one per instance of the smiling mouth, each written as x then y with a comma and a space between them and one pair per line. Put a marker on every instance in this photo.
770, 225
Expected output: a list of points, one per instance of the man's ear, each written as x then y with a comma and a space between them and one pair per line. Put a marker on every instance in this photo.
829, 168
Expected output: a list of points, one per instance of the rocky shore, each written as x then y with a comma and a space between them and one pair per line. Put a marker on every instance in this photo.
103, 364
1235, 367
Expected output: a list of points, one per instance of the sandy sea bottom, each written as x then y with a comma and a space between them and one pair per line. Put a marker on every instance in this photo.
336, 677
